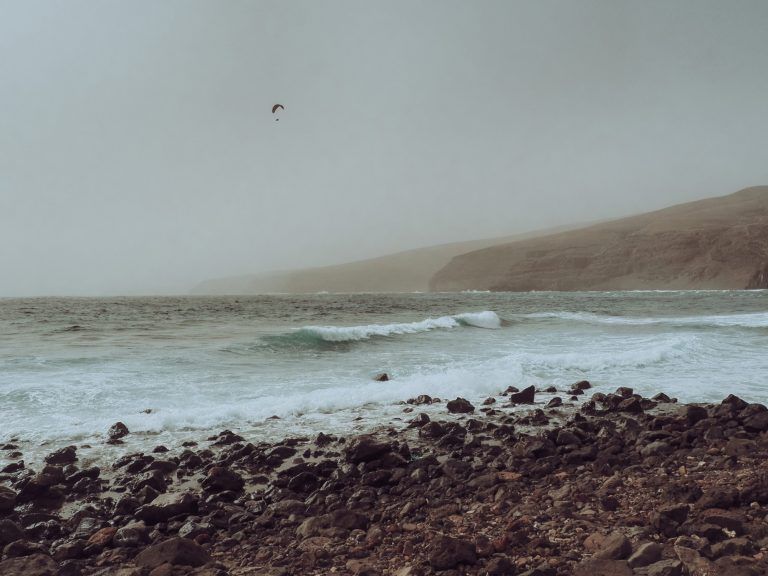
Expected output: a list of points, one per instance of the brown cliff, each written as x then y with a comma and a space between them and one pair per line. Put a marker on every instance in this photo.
717, 243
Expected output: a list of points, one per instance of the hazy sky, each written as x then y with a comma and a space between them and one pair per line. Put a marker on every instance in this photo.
138, 153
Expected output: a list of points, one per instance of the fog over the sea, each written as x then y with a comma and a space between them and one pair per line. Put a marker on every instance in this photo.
139, 154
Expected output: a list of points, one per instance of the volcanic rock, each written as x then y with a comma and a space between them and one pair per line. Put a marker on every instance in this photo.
460, 406
220, 479
446, 552
34, 565
175, 551
166, 506
7, 500
525, 396
365, 448
117, 430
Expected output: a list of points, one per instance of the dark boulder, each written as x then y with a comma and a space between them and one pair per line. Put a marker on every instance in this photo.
366, 448
460, 406
220, 479
64, 456
525, 396
175, 551
117, 431
34, 565
446, 553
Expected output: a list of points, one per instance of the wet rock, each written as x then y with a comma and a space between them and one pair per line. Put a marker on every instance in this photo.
20, 548
631, 405
757, 423
131, 535
381, 377
220, 479
460, 406
34, 565
566, 437
661, 398
9, 532
555, 402
167, 506
421, 399
69, 550
581, 385
117, 431
525, 396
419, 421
102, 537
226, 438
7, 500
64, 456
446, 552
365, 448
175, 551
193, 529
693, 414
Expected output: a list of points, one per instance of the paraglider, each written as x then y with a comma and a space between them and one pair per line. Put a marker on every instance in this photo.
277, 107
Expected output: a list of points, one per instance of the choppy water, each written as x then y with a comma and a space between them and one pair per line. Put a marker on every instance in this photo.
71, 367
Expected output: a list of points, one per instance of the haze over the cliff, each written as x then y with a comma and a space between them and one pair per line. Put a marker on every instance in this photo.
717, 243
408, 271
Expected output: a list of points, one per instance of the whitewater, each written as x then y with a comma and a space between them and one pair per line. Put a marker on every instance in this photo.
175, 369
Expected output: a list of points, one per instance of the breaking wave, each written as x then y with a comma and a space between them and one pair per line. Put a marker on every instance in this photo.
320, 335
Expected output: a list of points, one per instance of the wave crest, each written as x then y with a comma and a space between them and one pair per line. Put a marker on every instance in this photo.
320, 335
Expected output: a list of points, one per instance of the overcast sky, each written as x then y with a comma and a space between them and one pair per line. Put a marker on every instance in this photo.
138, 152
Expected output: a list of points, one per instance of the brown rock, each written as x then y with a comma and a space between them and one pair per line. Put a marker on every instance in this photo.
9, 532
34, 565
525, 396
117, 430
498, 566
646, 554
616, 546
102, 537
64, 456
594, 567
7, 500
460, 406
446, 552
365, 448
382, 377
176, 551
167, 506
220, 479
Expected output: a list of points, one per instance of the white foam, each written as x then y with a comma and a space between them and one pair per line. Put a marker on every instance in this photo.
486, 319
752, 320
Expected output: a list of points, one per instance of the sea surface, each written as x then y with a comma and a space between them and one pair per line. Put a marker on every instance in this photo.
184, 368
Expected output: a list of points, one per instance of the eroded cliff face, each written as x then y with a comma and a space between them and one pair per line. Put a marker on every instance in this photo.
719, 243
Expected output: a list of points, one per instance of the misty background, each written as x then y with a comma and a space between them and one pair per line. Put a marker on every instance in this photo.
139, 154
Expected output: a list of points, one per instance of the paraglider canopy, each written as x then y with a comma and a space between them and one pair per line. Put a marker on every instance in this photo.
276, 106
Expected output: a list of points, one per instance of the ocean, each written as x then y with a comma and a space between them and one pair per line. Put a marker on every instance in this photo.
183, 368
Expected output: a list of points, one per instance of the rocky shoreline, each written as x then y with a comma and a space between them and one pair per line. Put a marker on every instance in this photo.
614, 485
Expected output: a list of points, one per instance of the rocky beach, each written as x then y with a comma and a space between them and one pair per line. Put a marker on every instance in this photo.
581, 483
